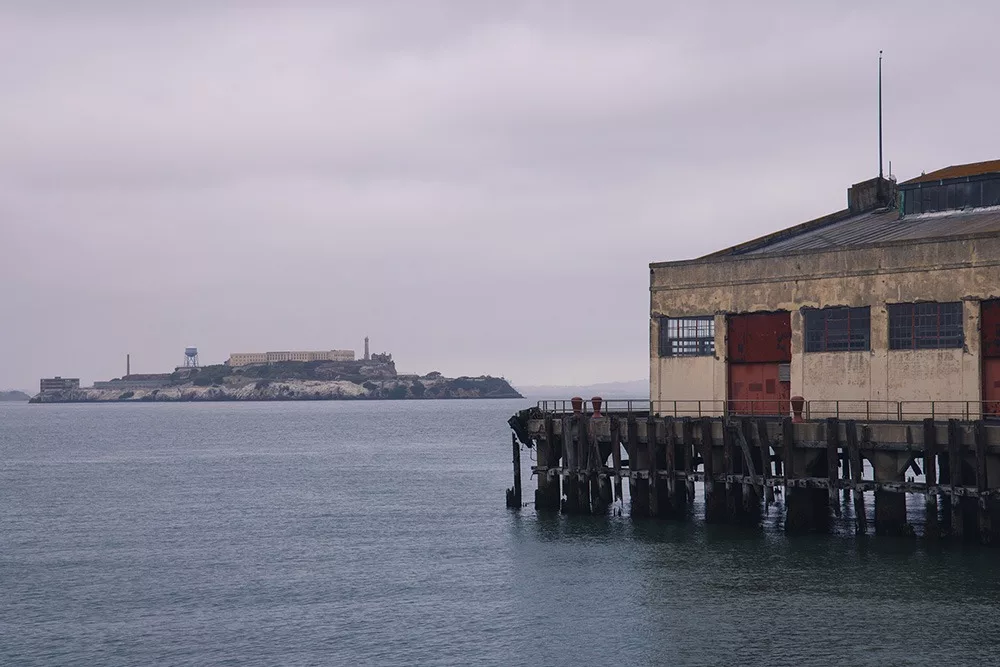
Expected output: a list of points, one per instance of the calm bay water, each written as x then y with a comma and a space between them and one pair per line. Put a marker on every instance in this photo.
375, 533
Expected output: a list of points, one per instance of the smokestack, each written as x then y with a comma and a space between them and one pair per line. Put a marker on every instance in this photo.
367, 355
128, 365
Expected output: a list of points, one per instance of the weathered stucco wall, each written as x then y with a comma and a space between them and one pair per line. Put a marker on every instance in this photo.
688, 378
836, 376
944, 270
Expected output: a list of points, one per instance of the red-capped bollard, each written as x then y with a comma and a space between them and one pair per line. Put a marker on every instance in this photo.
577, 405
597, 401
797, 404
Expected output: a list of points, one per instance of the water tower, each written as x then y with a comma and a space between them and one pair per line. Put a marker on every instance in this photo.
190, 357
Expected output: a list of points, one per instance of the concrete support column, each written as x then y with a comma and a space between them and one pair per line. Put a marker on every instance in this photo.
720, 376
890, 507
637, 460
972, 380
797, 384
879, 368
547, 494
716, 505
806, 510
714, 464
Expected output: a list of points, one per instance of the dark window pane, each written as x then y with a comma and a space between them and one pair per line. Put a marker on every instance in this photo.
991, 192
687, 336
925, 326
837, 329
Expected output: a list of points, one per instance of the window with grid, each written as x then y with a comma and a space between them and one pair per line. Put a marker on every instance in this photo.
687, 336
837, 329
925, 326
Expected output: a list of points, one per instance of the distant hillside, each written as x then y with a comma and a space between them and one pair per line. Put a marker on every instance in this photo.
13, 396
608, 390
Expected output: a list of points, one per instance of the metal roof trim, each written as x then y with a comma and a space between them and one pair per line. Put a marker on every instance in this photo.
957, 171
757, 256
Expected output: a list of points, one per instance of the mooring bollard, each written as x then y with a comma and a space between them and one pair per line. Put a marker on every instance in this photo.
797, 404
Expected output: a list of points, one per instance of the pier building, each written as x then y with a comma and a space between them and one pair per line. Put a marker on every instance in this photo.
855, 354
895, 298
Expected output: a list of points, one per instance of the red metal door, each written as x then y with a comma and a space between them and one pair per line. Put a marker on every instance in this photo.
754, 389
991, 387
759, 337
758, 343
990, 328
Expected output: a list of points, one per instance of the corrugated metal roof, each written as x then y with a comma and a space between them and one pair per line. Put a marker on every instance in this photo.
880, 227
958, 171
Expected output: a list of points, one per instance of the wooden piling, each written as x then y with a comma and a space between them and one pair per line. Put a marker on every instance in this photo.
583, 464
600, 488
955, 478
547, 495
833, 460
764, 442
890, 504
845, 472
638, 487
616, 455
932, 528
985, 518
687, 433
799, 510
715, 503
787, 440
514, 494
652, 467
857, 473
670, 442
570, 500
728, 466
753, 490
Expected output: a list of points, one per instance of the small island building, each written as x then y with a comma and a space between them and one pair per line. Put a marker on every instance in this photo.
247, 358
891, 304
57, 385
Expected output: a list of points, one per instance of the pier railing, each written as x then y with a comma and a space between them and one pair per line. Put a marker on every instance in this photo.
893, 411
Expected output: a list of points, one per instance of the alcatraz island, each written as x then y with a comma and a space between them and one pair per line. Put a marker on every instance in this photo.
276, 376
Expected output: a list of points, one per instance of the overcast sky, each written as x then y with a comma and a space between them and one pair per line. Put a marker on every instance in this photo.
479, 187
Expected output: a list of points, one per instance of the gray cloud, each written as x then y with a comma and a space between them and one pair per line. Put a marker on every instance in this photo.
478, 186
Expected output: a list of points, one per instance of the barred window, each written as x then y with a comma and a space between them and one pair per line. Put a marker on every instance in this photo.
837, 329
925, 326
687, 336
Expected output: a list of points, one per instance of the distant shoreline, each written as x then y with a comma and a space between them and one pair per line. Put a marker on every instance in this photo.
277, 400
285, 381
